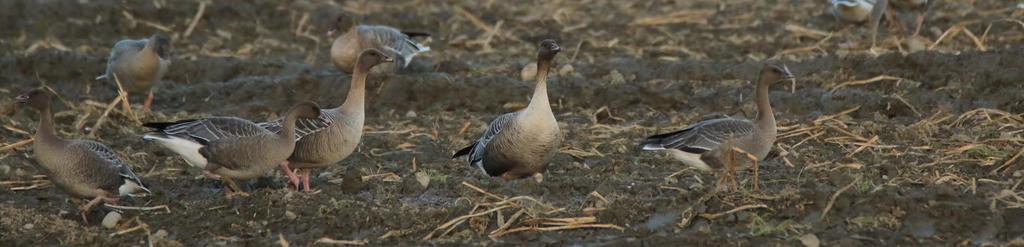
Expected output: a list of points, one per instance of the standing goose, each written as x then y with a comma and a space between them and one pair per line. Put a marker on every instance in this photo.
81, 168
397, 44
755, 137
138, 64
520, 144
335, 134
229, 148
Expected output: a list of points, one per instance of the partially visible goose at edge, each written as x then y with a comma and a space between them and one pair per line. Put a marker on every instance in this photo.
396, 44
755, 137
139, 64
861, 11
82, 168
856, 11
230, 148
520, 144
335, 134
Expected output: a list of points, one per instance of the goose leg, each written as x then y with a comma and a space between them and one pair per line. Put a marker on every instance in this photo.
876, 18
918, 23
85, 208
148, 104
210, 174
104, 197
305, 180
233, 189
507, 176
294, 180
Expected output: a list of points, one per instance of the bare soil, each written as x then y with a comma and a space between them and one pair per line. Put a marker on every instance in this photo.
926, 154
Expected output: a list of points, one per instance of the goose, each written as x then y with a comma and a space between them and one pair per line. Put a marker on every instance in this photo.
138, 64
520, 144
755, 137
335, 134
397, 44
229, 148
82, 168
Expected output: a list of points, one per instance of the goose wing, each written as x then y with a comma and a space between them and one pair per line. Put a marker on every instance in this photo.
303, 126
206, 130
122, 49
108, 156
476, 150
393, 40
701, 137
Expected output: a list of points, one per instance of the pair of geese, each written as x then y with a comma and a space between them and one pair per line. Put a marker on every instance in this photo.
515, 145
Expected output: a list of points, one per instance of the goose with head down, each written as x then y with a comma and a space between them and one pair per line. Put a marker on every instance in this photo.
346, 48
138, 64
81, 168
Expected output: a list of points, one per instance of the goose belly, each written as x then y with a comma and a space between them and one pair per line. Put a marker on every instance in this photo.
853, 13
187, 149
325, 148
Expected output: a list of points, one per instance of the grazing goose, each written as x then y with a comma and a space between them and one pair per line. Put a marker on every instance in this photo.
231, 148
755, 137
335, 134
81, 168
520, 144
397, 44
139, 64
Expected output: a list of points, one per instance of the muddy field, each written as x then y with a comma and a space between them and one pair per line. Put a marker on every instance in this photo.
918, 142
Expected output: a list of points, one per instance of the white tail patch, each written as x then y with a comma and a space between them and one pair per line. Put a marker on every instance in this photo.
690, 159
131, 188
480, 164
653, 147
187, 149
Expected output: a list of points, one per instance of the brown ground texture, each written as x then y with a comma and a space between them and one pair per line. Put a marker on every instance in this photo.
917, 142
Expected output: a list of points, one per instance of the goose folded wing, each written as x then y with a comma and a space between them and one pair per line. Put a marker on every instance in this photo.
303, 126
211, 129
496, 127
393, 40
706, 136
110, 157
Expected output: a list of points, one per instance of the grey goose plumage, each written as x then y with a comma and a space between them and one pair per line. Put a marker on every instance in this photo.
81, 168
229, 148
356, 38
138, 64
710, 136
520, 144
857, 11
335, 134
